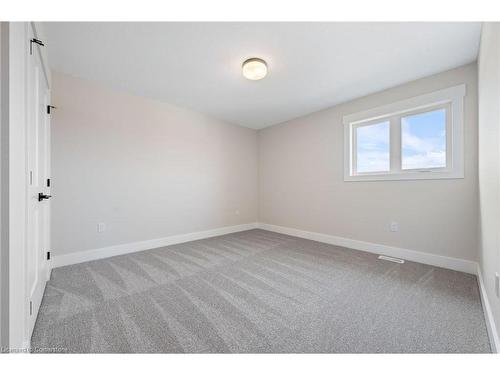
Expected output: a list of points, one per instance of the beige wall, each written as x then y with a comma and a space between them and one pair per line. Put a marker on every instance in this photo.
489, 161
146, 169
301, 181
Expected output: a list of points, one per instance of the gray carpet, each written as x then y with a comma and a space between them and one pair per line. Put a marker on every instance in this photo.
259, 292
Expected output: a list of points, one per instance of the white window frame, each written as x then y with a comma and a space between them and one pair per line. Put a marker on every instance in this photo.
450, 99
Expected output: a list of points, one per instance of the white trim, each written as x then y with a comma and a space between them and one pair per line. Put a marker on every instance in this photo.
110, 251
18, 306
452, 96
396, 252
456, 264
488, 314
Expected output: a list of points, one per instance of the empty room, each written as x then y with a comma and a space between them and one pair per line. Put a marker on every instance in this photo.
250, 187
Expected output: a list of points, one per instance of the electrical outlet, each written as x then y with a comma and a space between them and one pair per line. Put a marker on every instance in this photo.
497, 284
394, 226
101, 227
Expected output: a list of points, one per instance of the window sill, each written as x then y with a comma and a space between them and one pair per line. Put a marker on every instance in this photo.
406, 176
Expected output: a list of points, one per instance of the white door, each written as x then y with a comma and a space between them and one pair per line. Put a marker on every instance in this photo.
38, 163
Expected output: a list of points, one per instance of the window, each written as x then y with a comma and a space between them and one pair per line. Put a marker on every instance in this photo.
372, 148
423, 140
417, 138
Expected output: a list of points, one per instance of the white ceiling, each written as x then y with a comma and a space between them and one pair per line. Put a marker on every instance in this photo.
311, 65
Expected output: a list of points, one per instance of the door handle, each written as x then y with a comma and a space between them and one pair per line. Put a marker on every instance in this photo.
42, 196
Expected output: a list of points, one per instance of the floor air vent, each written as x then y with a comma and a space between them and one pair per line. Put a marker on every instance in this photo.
391, 259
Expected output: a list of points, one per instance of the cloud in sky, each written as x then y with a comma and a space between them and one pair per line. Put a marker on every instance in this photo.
423, 141
373, 148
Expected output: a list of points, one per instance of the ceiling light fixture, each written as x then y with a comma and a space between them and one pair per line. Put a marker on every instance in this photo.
254, 69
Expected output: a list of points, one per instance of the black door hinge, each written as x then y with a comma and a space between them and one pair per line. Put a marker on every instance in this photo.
48, 255
36, 41
49, 107
48, 182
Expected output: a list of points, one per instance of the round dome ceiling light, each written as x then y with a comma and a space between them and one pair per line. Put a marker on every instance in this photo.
254, 69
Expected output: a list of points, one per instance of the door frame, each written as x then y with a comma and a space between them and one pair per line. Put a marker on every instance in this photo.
18, 49
4, 169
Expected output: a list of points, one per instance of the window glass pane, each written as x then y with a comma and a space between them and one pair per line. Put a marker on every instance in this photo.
423, 140
372, 153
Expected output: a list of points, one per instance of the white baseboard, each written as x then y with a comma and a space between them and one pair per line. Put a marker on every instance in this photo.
396, 252
488, 314
110, 251
411, 255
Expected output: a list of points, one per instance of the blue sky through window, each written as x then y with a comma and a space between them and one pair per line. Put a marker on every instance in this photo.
423, 140
373, 148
